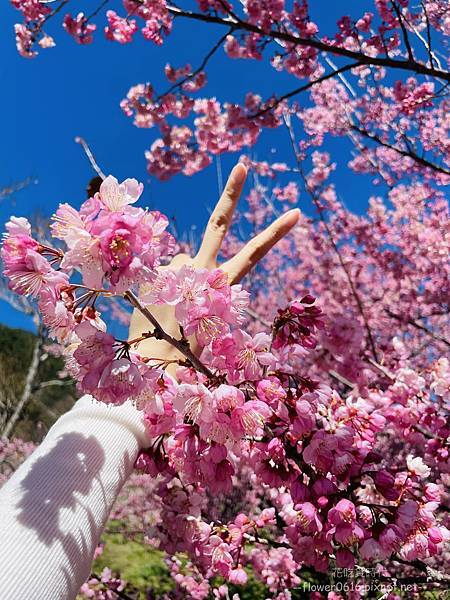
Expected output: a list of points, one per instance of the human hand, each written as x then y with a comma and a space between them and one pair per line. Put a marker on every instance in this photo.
206, 258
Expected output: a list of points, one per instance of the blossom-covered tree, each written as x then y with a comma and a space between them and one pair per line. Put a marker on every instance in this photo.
394, 107
337, 410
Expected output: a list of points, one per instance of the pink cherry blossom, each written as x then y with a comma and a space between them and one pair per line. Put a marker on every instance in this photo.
79, 28
119, 29
114, 196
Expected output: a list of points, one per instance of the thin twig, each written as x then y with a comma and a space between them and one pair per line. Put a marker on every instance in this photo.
333, 244
303, 88
44, 407
53, 382
350, 134
431, 573
54, 12
341, 77
419, 326
89, 154
97, 10
181, 345
409, 153
382, 369
404, 31
341, 378
428, 42
254, 315
202, 65
16, 187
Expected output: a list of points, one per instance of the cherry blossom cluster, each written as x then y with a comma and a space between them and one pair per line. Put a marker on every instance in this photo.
105, 586
400, 286
396, 258
111, 245
12, 454
156, 18
321, 519
386, 123
392, 280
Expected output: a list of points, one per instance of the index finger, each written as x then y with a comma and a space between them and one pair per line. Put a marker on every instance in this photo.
220, 219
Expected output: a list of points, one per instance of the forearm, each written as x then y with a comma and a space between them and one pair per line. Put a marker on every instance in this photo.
53, 509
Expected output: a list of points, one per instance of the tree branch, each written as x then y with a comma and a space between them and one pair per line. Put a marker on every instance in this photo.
409, 153
254, 315
419, 326
182, 346
428, 42
89, 154
16, 187
341, 379
430, 572
51, 383
303, 88
405, 65
44, 407
382, 369
404, 31
50, 15
202, 65
27, 389
334, 245
97, 10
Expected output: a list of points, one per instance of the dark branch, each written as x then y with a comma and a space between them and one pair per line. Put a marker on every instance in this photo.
303, 88
38, 28
181, 345
404, 31
408, 153
405, 65
335, 247
97, 10
419, 326
431, 573
200, 68
430, 52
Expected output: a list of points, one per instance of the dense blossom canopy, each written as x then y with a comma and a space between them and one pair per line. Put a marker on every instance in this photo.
253, 399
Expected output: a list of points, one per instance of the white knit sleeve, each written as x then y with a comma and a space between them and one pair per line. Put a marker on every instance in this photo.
54, 507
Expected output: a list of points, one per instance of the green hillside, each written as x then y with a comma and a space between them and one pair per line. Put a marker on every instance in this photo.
48, 401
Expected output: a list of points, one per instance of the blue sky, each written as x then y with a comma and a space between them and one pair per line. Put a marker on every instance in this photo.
75, 90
